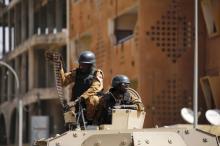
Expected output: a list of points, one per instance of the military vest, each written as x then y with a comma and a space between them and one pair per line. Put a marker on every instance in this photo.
125, 99
109, 102
83, 81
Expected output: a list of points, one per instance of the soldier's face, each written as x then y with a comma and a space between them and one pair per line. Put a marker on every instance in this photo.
123, 87
84, 67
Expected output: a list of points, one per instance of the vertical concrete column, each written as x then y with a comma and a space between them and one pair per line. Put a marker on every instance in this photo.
17, 66
23, 20
23, 72
3, 40
30, 17
19, 24
16, 28
9, 80
50, 15
2, 84
30, 69
3, 81
59, 15
3, 35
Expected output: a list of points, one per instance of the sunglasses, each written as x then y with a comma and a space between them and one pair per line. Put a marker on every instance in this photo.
124, 85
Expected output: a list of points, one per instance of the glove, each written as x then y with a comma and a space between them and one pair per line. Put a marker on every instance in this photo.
68, 106
65, 105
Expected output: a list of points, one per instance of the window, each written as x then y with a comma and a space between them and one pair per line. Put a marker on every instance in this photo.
124, 25
6, 2
211, 13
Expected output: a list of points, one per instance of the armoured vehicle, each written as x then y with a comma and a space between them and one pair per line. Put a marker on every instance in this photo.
127, 130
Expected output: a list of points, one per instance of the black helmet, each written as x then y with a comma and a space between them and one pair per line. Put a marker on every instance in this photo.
119, 80
87, 57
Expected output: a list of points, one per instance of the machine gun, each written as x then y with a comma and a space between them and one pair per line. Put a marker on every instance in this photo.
80, 118
133, 107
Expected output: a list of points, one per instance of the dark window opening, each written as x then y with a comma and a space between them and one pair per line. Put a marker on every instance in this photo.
40, 68
211, 14
125, 25
13, 129
3, 138
207, 91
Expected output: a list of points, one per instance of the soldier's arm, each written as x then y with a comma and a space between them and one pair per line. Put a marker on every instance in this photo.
136, 101
98, 118
67, 78
96, 86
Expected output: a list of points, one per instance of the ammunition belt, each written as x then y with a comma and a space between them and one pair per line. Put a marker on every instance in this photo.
55, 58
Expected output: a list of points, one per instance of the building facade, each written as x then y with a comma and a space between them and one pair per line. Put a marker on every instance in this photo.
29, 28
150, 41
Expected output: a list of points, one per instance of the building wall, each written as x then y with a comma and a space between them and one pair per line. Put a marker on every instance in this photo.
158, 56
35, 27
212, 50
166, 75
210, 19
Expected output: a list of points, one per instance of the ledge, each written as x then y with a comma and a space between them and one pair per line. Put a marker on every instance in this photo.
30, 97
41, 41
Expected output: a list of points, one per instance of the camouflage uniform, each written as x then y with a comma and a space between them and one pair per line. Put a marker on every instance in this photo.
87, 86
111, 99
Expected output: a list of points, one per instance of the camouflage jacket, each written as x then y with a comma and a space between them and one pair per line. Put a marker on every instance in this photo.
104, 109
96, 85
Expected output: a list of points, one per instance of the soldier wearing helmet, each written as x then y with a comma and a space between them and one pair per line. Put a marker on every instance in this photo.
119, 96
88, 83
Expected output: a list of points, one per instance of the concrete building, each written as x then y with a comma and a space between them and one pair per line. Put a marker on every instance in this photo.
29, 28
150, 41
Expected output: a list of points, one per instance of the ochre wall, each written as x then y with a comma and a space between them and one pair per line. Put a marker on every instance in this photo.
213, 55
158, 58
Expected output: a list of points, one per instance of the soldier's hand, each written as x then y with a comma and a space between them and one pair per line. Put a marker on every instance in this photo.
69, 106
66, 108
53, 56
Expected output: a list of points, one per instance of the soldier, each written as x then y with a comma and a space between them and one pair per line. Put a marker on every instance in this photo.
88, 83
119, 96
